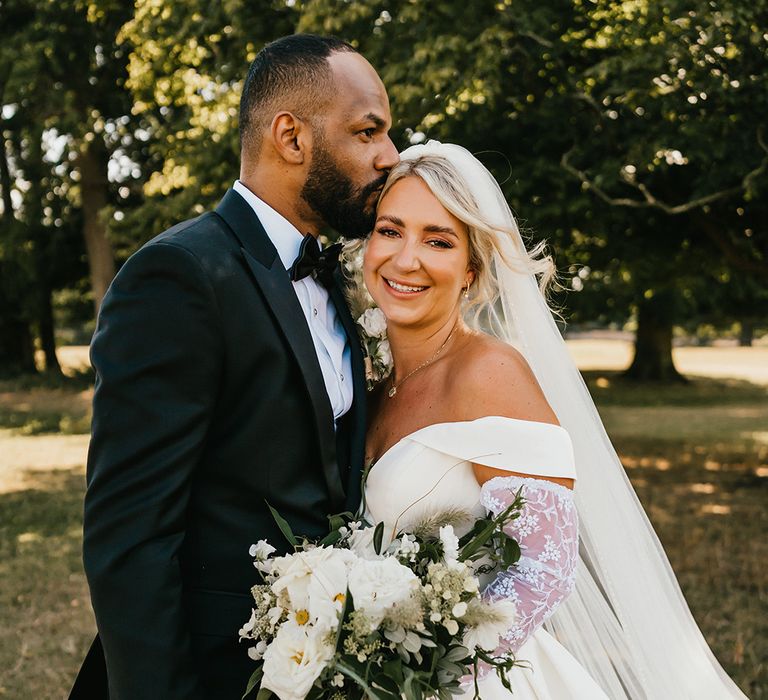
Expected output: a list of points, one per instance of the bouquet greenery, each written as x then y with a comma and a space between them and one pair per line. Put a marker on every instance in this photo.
369, 614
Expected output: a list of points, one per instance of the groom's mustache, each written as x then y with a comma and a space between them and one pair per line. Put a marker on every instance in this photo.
369, 189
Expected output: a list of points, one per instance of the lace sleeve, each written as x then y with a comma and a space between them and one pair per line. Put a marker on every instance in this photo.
547, 531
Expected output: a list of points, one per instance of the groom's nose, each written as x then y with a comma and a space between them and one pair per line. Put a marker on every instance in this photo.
388, 157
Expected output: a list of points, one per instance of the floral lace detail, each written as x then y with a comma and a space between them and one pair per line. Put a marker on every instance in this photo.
547, 532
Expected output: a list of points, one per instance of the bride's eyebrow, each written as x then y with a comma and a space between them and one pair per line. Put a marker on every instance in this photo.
433, 228
392, 219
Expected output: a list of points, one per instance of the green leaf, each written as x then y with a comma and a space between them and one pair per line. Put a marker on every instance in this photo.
378, 537
330, 539
477, 543
335, 522
511, 553
282, 523
347, 670
253, 681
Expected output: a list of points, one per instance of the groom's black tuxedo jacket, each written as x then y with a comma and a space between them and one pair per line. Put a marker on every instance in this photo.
209, 401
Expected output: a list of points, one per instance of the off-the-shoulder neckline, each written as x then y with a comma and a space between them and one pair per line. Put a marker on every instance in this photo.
410, 436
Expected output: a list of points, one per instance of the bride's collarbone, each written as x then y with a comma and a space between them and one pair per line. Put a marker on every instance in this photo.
392, 424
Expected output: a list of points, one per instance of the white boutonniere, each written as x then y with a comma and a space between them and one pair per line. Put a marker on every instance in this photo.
370, 320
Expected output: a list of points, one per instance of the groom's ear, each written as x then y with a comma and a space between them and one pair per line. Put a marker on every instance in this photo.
290, 137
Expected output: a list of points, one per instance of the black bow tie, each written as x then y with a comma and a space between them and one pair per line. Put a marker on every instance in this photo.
321, 264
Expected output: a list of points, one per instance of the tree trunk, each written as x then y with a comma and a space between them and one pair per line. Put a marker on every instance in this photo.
93, 177
746, 333
653, 343
38, 234
45, 321
17, 353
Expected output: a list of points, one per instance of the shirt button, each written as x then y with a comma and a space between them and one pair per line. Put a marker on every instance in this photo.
341, 376
314, 312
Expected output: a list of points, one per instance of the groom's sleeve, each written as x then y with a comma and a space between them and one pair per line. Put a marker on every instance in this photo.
157, 356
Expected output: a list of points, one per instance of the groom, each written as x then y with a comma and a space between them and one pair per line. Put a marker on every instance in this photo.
229, 375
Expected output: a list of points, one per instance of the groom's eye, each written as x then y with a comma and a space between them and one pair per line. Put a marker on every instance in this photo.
368, 133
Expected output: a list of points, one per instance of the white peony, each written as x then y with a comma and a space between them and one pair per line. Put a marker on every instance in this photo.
314, 583
379, 585
486, 635
294, 660
374, 323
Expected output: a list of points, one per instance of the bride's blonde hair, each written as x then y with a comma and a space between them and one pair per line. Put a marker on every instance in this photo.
450, 188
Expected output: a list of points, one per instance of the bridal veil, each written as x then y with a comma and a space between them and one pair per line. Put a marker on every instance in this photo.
627, 621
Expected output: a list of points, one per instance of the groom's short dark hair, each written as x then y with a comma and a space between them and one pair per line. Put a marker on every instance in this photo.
289, 73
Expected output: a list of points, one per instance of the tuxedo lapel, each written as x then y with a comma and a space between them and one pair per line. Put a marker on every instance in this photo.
358, 427
275, 285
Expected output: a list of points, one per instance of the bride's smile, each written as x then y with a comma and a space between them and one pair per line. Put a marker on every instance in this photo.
417, 260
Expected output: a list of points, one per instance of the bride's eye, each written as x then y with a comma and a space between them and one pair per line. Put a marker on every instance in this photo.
440, 243
390, 233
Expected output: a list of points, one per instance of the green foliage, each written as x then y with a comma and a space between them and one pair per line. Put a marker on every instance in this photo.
284, 526
628, 134
567, 99
186, 72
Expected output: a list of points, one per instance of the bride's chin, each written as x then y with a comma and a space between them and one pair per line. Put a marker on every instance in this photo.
403, 321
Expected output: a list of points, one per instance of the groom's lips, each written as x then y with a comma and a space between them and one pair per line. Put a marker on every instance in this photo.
402, 289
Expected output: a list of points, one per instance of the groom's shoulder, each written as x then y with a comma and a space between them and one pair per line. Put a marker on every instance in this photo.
206, 235
203, 246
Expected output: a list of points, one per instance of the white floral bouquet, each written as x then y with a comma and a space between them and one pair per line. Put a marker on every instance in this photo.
353, 617
372, 325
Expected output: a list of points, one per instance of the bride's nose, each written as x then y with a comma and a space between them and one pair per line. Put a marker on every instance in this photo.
406, 259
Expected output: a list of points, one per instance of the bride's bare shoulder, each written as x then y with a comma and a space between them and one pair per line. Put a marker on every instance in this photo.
494, 379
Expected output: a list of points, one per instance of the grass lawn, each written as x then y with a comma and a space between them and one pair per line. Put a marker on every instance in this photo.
697, 455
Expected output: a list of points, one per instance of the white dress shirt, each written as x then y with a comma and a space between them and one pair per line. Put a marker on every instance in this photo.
331, 345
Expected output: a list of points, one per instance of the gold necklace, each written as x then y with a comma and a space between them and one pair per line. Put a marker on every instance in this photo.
393, 389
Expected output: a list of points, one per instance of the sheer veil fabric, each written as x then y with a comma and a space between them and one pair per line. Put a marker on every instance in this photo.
626, 622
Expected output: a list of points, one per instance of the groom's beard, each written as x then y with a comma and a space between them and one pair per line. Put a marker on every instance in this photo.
348, 209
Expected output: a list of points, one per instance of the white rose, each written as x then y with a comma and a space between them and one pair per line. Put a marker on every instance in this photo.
376, 586
374, 323
450, 543
384, 354
294, 660
487, 634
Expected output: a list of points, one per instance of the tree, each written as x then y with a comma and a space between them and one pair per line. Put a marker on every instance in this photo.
681, 156
613, 115
186, 72
64, 86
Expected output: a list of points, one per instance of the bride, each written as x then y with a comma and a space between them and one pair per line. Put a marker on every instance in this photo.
484, 400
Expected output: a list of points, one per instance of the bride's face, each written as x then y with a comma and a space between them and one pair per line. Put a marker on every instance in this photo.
417, 259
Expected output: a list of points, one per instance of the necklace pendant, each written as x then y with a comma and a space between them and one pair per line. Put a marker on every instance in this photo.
392, 392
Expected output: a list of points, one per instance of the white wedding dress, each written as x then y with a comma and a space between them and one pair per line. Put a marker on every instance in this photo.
429, 472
